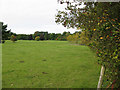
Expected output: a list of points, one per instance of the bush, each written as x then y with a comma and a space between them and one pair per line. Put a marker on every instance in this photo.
3, 41
70, 38
13, 38
84, 40
61, 38
37, 38
75, 38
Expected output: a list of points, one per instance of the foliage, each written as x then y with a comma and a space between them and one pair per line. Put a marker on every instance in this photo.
30, 37
13, 38
23, 37
37, 38
3, 41
46, 36
70, 38
84, 38
101, 22
75, 38
37, 33
52, 36
5, 33
61, 38
42, 37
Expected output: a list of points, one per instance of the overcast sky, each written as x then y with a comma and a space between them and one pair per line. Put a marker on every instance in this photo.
28, 16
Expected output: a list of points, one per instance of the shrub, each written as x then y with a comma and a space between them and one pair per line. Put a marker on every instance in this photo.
75, 38
61, 38
13, 38
37, 38
84, 38
3, 41
69, 38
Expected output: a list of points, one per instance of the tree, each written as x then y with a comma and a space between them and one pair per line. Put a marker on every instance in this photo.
13, 38
42, 36
46, 36
36, 34
64, 33
5, 33
52, 36
23, 37
101, 22
37, 38
68, 33
30, 37
70, 38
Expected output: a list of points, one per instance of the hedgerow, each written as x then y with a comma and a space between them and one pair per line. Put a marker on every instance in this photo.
75, 38
101, 22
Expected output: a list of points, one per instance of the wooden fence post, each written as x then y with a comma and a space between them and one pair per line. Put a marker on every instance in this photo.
101, 78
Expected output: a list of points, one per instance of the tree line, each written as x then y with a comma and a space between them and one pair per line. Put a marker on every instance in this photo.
37, 35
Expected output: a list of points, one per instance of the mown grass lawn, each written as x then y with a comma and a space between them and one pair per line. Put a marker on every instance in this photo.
48, 64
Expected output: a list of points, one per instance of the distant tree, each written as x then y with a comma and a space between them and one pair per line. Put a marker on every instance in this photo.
46, 36
30, 37
37, 33
37, 38
52, 36
42, 37
68, 33
59, 37
70, 38
63, 37
64, 33
13, 38
22, 37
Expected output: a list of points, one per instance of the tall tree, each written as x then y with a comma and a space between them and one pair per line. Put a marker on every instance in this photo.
5, 33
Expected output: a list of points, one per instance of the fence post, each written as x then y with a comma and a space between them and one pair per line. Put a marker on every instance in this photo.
101, 78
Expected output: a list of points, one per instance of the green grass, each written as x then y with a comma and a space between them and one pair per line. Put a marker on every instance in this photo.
48, 64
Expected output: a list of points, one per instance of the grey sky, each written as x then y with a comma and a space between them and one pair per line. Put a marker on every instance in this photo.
28, 16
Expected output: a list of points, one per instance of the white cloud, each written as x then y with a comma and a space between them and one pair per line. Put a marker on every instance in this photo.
28, 16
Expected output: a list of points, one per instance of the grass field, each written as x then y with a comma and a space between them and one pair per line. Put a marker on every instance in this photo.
48, 64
